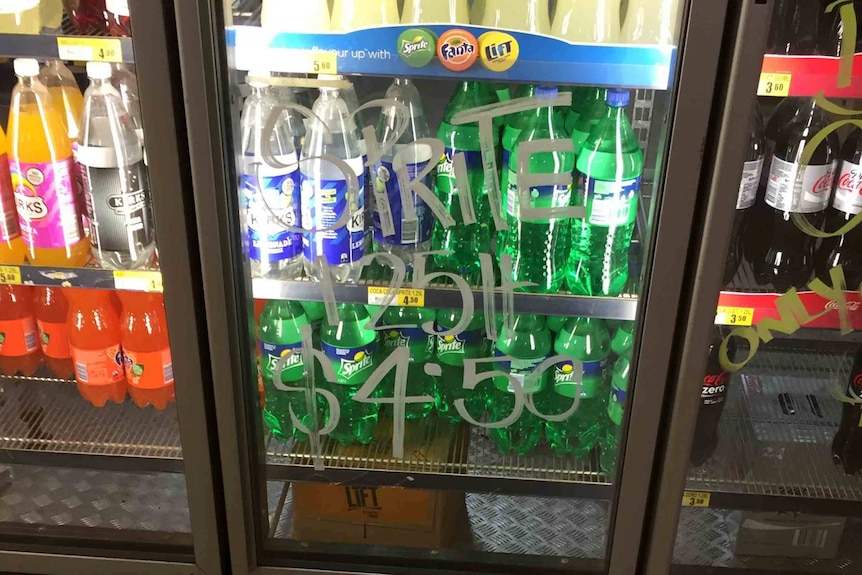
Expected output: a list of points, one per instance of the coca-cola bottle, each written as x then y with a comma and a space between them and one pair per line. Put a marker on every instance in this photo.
712, 399
832, 36
795, 189
846, 250
747, 196
795, 27
847, 445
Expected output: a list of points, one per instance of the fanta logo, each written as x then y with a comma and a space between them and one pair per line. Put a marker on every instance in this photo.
361, 361
458, 50
499, 51
851, 182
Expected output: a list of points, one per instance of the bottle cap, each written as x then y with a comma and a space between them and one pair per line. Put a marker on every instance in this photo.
26, 67
618, 98
99, 70
257, 78
546, 92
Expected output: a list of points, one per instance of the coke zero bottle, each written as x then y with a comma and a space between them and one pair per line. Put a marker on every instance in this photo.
712, 399
795, 189
795, 27
846, 250
847, 445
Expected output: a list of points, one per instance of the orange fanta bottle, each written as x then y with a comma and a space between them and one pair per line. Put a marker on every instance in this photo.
51, 311
19, 338
147, 349
94, 337
12, 248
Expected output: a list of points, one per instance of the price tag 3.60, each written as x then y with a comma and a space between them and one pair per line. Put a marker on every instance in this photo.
774, 85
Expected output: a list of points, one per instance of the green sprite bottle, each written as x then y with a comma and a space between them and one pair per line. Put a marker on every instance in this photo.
352, 351
513, 125
573, 114
609, 175
592, 109
421, 346
612, 434
452, 350
539, 248
623, 340
555, 323
315, 311
528, 343
585, 339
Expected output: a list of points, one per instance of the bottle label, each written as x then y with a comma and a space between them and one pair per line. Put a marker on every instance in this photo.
788, 191
406, 233
149, 369
751, 173
848, 193
120, 218
564, 378
323, 202
453, 349
118, 7
446, 169
8, 213
520, 369
420, 343
542, 197
270, 353
714, 389
609, 203
854, 389
617, 404
55, 339
47, 203
98, 366
270, 209
353, 365
18, 337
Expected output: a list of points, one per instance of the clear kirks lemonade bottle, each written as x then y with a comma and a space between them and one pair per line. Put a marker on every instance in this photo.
12, 247
436, 12
40, 161
349, 15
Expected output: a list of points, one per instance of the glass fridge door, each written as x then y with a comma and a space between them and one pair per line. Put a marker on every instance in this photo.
438, 230
92, 458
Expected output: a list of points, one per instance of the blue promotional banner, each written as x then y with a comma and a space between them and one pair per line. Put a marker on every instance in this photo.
442, 51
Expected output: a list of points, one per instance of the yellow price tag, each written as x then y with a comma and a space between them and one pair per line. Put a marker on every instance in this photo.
695, 499
305, 61
743, 316
90, 49
10, 275
138, 281
774, 85
405, 297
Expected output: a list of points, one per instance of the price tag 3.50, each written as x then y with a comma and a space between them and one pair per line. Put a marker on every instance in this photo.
774, 85
695, 499
88, 49
10, 275
405, 297
742, 316
138, 281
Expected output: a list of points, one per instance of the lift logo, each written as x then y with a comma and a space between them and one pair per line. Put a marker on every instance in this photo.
416, 47
362, 499
457, 49
499, 51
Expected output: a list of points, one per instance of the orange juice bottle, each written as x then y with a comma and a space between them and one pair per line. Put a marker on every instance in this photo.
43, 176
94, 338
12, 247
51, 311
19, 339
147, 349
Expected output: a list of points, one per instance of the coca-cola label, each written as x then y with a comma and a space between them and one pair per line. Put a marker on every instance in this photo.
800, 189
848, 193
854, 390
748, 185
714, 388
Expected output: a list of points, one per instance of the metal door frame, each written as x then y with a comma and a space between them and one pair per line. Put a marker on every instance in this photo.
157, 69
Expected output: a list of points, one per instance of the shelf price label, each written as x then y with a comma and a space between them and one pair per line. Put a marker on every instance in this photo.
774, 84
148, 281
88, 49
743, 316
405, 297
695, 499
10, 275
304, 61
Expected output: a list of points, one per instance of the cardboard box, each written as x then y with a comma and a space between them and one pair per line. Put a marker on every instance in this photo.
789, 535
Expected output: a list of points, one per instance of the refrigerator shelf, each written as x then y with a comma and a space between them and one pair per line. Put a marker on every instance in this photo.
783, 76
440, 455
70, 48
775, 439
44, 421
86, 277
440, 296
415, 52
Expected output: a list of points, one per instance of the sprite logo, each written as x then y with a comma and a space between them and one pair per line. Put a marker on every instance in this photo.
360, 362
450, 344
417, 47
394, 339
294, 358
564, 373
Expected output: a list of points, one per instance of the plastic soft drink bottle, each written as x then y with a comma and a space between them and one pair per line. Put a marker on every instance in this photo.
117, 13
311, 16
593, 108
528, 343
51, 14
609, 175
88, 16
587, 340
421, 346
609, 440
349, 15
95, 336
466, 241
40, 161
587, 21
623, 340
19, 337
555, 323
651, 22
539, 248
410, 237
124, 80
513, 125
713, 396
351, 348
51, 311
64, 89
325, 193
20, 17
477, 12
527, 15
115, 180
452, 350
147, 349
12, 248
293, 120
315, 313
847, 444
436, 12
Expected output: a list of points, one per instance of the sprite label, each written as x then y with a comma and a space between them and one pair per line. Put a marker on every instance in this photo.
352, 365
520, 369
270, 353
610, 203
565, 380
616, 404
420, 343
